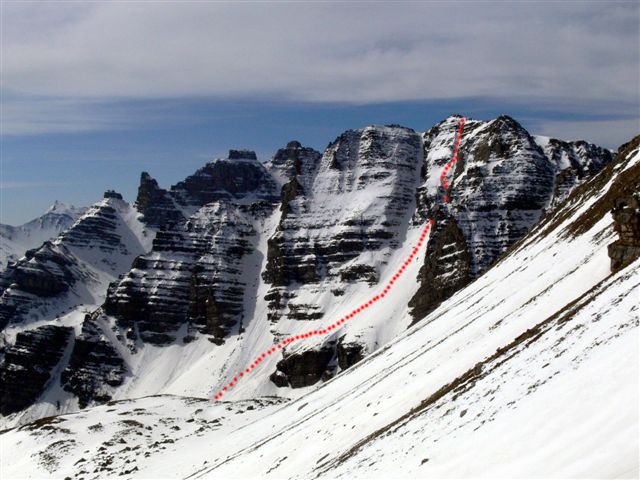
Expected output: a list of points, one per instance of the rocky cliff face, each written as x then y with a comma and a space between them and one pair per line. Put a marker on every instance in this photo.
193, 281
321, 246
501, 185
247, 253
626, 212
626, 217
238, 179
374, 172
95, 366
155, 204
29, 364
194, 276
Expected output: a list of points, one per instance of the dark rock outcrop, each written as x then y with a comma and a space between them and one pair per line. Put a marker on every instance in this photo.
349, 353
227, 179
295, 161
303, 369
242, 155
204, 288
342, 217
626, 223
626, 210
15, 241
112, 194
308, 367
94, 366
440, 279
574, 162
28, 365
42, 274
155, 204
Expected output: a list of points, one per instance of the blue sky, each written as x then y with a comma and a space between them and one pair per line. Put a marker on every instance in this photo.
93, 94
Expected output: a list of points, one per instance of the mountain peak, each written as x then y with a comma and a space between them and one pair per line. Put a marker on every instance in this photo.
113, 194
62, 208
242, 155
507, 121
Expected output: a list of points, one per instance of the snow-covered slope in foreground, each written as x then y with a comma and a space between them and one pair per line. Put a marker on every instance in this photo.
530, 371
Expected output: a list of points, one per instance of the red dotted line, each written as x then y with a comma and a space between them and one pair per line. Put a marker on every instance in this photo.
364, 306
448, 166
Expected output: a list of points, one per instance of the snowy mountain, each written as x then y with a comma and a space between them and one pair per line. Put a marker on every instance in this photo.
15, 241
529, 370
247, 254
45, 295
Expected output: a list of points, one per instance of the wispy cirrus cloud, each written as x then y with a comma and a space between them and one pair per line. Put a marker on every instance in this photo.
64, 62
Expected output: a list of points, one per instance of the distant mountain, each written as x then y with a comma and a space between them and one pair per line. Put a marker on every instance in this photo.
205, 274
519, 369
76, 267
15, 241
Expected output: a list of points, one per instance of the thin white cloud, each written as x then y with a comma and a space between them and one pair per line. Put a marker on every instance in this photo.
34, 115
63, 62
353, 52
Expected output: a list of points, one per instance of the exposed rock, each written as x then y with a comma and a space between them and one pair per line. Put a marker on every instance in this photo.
349, 353
303, 369
46, 272
242, 155
15, 241
501, 185
205, 288
195, 273
626, 210
330, 216
43, 273
626, 223
226, 179
290, 191
355, 273
94, 365
574, 162
343, 215
112, 194
440, 279
28, 365
295, 161
155, 204
306, 368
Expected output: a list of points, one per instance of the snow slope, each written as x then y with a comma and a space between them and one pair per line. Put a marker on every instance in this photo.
241, 261
531, 370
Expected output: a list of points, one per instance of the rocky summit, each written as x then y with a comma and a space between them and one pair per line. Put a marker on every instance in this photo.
179, 291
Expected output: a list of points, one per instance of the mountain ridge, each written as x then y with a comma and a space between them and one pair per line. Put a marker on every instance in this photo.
16, 240
523, 363
246, 254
